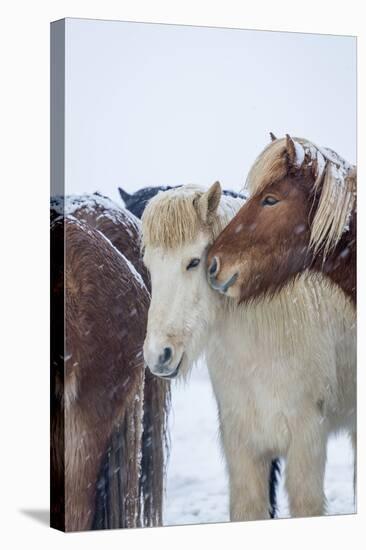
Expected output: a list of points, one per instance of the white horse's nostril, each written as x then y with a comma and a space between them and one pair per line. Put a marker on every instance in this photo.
167, 371
166, 357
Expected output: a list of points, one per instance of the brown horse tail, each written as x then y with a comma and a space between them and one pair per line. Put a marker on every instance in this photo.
155, 448
130, 494
118, 501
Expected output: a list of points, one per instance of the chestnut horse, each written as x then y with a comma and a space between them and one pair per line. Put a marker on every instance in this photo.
282, 370
299, 221
108, 422
301, 215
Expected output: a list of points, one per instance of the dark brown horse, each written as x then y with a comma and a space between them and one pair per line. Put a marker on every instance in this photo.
301, 215
108, 423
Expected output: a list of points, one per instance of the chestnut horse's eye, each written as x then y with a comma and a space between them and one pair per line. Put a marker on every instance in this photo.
193, 263
269, 201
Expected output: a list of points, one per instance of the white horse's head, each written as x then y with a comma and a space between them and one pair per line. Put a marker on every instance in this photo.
177, 228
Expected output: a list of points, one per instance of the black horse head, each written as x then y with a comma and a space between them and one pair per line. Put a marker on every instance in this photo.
136, 202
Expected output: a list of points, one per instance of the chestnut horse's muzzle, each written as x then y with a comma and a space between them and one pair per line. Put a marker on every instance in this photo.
212, 277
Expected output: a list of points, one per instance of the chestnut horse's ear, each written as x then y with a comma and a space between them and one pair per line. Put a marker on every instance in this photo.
295, 152
208, 203
272, 136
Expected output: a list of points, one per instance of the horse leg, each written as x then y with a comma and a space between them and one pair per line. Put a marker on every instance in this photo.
249, 478
274, 474
305, 471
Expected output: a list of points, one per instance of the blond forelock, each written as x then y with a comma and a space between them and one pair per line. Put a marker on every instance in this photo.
172, 219
335, 178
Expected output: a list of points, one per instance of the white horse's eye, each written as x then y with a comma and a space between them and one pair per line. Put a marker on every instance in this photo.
193, 263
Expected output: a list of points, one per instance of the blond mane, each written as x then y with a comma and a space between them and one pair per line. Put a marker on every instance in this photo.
270, 166
172, 218
335, 179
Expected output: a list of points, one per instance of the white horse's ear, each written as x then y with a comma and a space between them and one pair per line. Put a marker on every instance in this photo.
295, 152
209, 201
272, 136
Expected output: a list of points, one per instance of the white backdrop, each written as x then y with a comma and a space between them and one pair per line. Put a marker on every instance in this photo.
24, 173
167, 105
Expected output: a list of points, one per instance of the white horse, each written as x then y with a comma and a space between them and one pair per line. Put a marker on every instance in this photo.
282, 369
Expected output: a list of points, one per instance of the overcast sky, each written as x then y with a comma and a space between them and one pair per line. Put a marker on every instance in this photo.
151, 104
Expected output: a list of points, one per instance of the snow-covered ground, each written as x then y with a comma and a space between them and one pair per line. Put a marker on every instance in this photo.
197, 487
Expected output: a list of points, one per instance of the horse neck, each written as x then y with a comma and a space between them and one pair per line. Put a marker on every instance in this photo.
340, 264
289, 320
